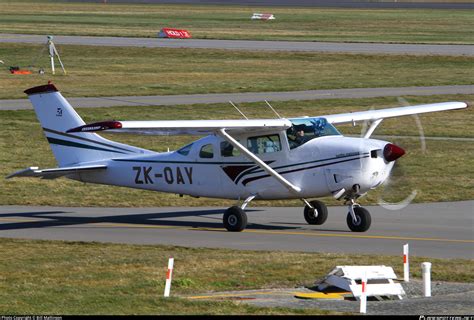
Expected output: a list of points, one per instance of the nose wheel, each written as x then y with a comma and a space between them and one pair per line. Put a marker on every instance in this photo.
358, 218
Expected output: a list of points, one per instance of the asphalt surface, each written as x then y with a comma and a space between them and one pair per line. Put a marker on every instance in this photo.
328, 47
443, 230
447, 299
19, 104
309, 3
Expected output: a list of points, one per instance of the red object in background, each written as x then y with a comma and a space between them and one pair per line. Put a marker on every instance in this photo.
17, 70
174, 33
20, 72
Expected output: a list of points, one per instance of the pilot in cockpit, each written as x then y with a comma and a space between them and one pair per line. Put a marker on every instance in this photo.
300, 137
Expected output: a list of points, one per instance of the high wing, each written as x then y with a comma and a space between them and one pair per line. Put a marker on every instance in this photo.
184, 127
374, 115
54, 172
203, 127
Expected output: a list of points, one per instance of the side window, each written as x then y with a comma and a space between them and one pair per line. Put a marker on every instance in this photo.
185, 150
264, 144
207, 151
228, 150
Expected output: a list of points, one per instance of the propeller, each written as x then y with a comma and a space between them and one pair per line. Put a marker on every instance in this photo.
399, 189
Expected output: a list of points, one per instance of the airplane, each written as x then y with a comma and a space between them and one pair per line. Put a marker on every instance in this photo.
266, 159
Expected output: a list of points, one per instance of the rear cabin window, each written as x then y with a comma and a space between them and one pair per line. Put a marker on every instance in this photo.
264, 144
185, 150
228, 150
207, 151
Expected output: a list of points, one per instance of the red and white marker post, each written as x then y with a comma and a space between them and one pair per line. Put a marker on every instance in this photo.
406, 264
363, 296
168, 277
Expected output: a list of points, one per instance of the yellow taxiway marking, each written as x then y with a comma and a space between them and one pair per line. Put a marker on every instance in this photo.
307, 234
359, 236
299, 233
341, 235
136, 225
320, 295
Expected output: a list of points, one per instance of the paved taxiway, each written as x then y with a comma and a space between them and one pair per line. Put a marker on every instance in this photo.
328, 47
81, 102
443, 230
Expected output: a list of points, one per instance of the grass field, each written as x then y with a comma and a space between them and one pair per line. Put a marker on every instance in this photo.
55, 277
109, 71
444, 173
233, 22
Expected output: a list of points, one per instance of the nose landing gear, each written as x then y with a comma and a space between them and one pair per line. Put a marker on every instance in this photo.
358, 218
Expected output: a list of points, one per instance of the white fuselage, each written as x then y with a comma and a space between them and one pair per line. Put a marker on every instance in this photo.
319, 167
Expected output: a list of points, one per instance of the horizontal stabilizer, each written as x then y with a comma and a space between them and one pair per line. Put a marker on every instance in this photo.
54, 172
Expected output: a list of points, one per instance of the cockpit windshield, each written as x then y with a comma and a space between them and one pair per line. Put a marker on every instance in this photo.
306, 129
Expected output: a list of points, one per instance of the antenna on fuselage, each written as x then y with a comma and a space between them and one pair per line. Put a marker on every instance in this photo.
238, 110
268, 104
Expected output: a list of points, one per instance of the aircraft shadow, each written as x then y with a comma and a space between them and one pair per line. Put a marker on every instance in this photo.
61, 219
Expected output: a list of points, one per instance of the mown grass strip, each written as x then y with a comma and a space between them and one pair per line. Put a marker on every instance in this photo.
233, 22
109, 71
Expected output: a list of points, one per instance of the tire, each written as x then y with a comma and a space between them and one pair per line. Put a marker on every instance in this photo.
309, 214
235, 219
363, 217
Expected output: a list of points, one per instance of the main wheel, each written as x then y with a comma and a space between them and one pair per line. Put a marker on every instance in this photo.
363, 220
235, 219
319, 208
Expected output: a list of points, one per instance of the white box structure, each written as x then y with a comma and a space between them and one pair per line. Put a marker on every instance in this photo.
263, 16
379, 281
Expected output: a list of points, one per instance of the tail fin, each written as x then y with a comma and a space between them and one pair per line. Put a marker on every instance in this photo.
56, 116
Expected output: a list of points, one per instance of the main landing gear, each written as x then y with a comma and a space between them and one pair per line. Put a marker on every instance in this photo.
315, 212
235, 218
358, 218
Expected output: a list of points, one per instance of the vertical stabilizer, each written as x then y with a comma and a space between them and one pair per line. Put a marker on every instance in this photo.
57, 116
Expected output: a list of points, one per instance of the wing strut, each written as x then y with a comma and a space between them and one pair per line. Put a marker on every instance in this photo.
372, 127
287, 184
